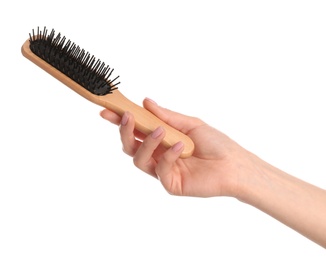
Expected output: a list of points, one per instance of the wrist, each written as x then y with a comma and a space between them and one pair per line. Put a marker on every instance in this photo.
252, 179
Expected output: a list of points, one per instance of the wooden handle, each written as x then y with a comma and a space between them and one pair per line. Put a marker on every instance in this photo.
145, 121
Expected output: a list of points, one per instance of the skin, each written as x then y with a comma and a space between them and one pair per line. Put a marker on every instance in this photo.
221, 167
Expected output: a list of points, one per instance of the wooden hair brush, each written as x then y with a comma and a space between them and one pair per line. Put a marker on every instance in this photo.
90, 78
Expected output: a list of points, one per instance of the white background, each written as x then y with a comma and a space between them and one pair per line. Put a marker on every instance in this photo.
253, 69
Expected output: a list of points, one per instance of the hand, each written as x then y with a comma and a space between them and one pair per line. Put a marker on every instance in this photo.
212, 170
221, 167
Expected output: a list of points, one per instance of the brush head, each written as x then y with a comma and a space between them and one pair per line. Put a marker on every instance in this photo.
73, 61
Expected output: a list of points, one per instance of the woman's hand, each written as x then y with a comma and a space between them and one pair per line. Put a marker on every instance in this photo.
213, 168
221, 167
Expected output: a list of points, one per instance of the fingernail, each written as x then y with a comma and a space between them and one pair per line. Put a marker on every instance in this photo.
151, 100
177, 147
125, 118
158, 131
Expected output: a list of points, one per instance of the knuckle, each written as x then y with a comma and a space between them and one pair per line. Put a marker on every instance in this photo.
127, 150
146, 144
137, 161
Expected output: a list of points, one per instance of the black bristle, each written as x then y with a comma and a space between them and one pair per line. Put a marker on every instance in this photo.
74, 62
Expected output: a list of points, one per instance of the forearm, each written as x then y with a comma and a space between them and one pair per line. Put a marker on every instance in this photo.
296, 203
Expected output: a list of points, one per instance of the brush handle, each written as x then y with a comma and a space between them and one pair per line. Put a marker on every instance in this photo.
145, 121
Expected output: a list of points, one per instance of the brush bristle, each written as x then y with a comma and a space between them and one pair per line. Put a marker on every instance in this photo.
74, 62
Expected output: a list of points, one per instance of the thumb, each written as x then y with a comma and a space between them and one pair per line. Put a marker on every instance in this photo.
178, 121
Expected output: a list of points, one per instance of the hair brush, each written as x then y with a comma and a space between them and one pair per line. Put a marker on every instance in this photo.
91, 78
